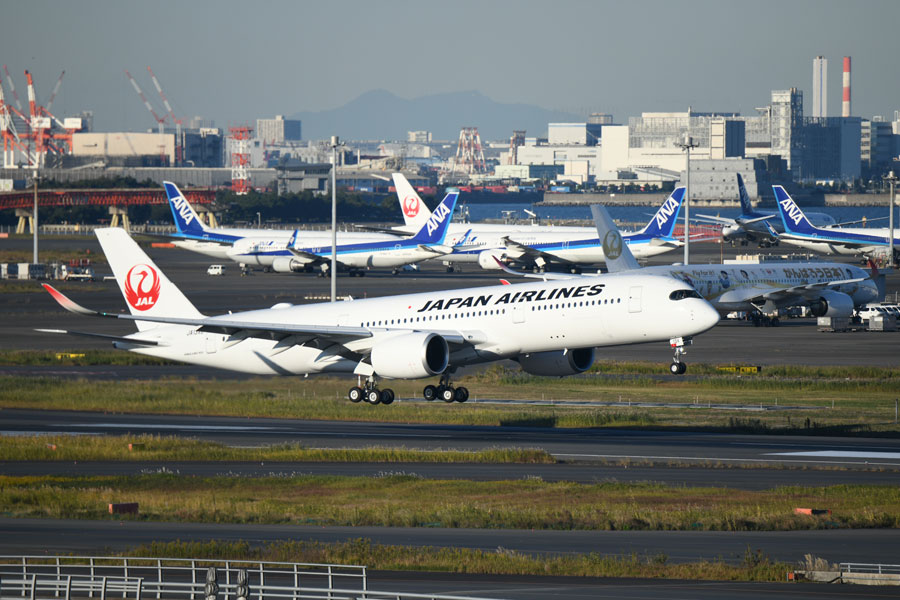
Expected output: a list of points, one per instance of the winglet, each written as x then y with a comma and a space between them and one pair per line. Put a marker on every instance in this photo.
67, 303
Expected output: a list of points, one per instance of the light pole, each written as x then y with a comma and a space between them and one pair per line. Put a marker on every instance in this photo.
892, 179
686, 145
335, 142
34, 218
258, 221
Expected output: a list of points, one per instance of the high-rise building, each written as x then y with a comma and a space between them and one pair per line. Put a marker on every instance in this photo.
277, 130
820, 87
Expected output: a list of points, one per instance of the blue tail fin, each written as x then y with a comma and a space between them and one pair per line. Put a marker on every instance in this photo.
663, 222
435, 228
186, 220
746, 207
292, 241
793, 218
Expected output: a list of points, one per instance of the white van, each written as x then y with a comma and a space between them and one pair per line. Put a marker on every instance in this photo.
216, 270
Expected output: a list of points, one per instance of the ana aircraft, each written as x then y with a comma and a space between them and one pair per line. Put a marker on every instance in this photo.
551, 328
538, 247
761, 227
218, 243
304, 251
834, 240
828, 289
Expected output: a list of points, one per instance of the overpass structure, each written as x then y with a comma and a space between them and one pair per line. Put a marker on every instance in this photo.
118, 201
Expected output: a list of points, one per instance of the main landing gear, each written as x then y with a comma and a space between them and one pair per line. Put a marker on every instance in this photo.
370, 393
445, 391
677, 367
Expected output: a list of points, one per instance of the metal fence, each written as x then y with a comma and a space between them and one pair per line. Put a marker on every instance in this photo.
104, 578
879, 569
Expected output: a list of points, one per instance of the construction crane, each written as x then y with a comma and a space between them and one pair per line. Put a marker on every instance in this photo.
178, 122
159, 120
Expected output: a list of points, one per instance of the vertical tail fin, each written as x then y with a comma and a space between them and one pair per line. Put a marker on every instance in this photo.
415, 213
617, 254
663, 222
746, 206
435, 228
146, 289
793, 218
186, 220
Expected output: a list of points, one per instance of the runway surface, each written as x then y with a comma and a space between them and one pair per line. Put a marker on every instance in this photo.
566, 444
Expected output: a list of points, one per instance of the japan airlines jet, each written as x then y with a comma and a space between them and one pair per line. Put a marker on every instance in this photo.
551, 328
304, 251
834, 240
828, 289
761, 227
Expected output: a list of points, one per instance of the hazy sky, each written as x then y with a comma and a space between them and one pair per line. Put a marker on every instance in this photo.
236, 61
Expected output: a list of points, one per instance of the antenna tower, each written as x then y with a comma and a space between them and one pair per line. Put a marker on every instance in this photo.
240, 159
469, 154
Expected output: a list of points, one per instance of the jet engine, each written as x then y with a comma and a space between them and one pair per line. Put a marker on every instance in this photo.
286, 264
557, 364
486, 259
411, 356
832, 304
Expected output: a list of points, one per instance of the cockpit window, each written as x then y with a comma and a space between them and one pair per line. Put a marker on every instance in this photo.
682, 294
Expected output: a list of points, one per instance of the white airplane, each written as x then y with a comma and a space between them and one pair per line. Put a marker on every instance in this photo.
828, 289
304, 251
757, 226
192, 234
799, 231
550, 328
539, 246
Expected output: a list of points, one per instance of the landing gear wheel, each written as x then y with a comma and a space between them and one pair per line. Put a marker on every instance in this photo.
678, 368
447, 393
355, 394
387, 396
429, 393
461, 394
395, 271
373, 396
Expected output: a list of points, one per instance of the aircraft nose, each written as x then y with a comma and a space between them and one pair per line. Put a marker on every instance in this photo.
705, 316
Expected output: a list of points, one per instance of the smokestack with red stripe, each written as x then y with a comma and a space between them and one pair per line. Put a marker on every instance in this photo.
845, 105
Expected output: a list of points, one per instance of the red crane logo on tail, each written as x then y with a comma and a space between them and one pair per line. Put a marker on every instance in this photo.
411, 206
142, 287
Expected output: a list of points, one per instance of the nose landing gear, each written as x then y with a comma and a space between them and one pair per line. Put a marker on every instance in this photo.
677, 367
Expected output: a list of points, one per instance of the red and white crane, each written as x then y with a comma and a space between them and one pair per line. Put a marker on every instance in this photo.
178, 122
159, 120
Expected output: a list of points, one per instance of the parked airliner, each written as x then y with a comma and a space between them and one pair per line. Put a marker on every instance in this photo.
759, 226
307, 250
551, 328
828, 289
834, 240
539, 247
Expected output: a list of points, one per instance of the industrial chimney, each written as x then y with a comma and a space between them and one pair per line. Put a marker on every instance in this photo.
845, 105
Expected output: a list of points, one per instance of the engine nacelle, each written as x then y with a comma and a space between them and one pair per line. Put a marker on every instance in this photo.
286, 264
557, 364
832, 304
411, 356
486, 259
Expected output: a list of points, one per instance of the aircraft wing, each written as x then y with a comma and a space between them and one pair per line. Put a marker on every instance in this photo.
388, 230
525, 251
712, 219
437, 249
112, 338
759, 295
287, 334
546, 276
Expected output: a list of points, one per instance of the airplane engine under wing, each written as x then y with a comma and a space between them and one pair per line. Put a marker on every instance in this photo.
486, 259
411, 356
557, 364
832, 304
286, 264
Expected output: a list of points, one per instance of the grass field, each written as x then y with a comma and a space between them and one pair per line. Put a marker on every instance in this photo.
826, 401
406, 500
754, 566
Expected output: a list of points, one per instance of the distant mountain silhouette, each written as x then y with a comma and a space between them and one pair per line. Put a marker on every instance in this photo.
380, 115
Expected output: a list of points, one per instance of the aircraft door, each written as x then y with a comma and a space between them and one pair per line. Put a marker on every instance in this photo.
518, 314
634, 299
